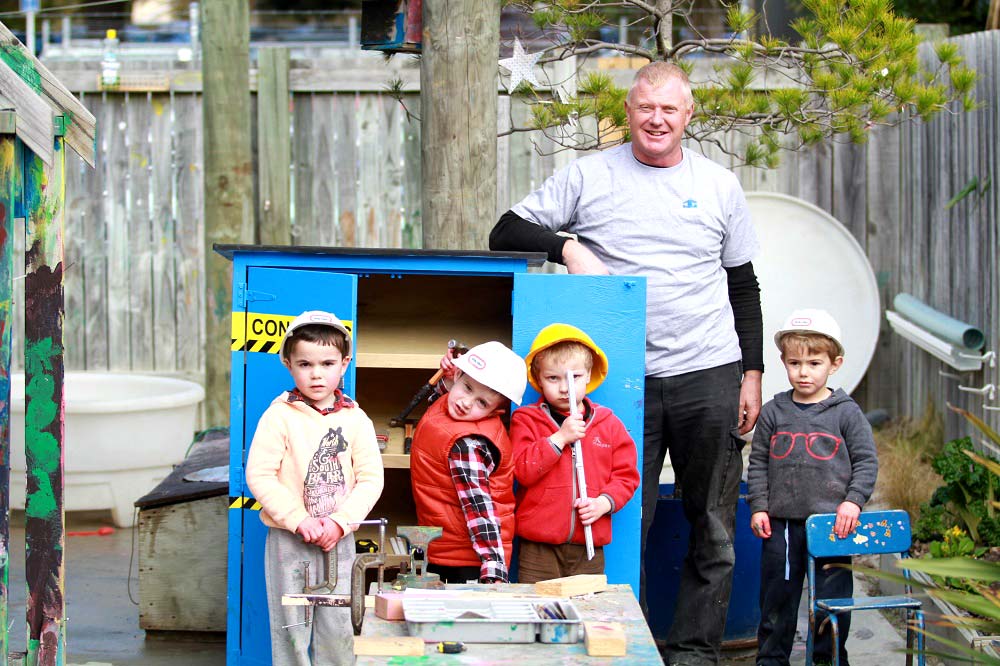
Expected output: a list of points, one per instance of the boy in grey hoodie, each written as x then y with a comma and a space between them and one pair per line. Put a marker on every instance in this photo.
812, 452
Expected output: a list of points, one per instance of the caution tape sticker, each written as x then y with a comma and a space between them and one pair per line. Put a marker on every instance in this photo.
247, 503
255, 332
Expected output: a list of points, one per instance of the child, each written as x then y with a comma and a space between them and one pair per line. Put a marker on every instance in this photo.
315, 468
462, 470
550, 515
812, 452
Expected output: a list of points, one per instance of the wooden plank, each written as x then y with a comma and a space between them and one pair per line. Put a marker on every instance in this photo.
371, 190
74, 327
303, 143
228, 180
81, 130
138, 216
393, 173
345, 172
35, 117
389, 646
116, 161
189, 239
571, 586
605, 639
274, 141
8, 193
883, 240
45, 517
17, 329
91, 200
331, 154
412, 234
163, 243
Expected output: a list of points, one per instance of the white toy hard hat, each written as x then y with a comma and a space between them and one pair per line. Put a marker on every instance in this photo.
811, 321
312, 318
495, 366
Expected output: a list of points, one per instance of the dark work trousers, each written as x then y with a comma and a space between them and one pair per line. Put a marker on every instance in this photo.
694, 417
782, 572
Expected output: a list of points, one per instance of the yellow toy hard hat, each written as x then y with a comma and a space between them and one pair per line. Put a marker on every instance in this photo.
554, 333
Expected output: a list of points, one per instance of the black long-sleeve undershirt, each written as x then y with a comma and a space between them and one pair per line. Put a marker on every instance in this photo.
516, 234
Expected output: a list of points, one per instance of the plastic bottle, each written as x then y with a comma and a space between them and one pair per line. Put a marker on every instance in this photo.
110, 66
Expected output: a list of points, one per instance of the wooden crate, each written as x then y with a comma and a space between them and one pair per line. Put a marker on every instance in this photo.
182, 546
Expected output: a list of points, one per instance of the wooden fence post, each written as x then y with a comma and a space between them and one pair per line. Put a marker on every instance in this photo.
8, 186
274, 147
45, 517
228, 181
458, 84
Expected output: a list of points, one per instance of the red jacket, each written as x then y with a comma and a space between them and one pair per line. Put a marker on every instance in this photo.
546, 477
434, 491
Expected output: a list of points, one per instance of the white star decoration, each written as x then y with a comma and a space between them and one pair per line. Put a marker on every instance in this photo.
520, 66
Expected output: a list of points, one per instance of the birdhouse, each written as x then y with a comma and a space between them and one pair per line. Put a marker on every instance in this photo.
394, 26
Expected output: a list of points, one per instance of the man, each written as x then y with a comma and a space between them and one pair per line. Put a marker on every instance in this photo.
653, 208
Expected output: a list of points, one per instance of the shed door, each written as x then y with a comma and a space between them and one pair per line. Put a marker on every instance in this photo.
612, 311
275, 297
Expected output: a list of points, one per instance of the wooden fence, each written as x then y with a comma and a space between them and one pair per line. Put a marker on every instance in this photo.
135, 241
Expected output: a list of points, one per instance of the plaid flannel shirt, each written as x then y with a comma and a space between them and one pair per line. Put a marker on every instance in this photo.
472, 460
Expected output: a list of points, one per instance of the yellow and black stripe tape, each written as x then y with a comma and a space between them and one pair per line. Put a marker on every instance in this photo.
246, 503
256, 332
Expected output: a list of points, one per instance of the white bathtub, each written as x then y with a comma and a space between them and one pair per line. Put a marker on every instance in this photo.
123, 435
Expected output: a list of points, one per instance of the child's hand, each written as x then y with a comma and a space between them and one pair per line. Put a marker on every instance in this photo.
592, 508
572, 429
760, 523
448, 363
332, 534
311, 529
847, 519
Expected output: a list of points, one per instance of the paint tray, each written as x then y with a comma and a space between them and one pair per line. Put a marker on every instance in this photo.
492, 620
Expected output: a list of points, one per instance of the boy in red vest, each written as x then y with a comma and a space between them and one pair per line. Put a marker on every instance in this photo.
462, 469
551, 516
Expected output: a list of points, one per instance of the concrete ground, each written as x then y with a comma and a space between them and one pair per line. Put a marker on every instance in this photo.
102, 593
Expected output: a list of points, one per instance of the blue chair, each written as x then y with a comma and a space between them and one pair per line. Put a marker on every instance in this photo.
878, 532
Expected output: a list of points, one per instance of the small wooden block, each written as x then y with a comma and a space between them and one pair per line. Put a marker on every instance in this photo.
572, 586
604, 639
406, 646
389, 605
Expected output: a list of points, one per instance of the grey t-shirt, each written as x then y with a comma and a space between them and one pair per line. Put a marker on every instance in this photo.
678, 226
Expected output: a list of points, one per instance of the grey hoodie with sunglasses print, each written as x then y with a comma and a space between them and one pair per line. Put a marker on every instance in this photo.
805, 461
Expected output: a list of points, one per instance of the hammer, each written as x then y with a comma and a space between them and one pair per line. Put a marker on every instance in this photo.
456, 349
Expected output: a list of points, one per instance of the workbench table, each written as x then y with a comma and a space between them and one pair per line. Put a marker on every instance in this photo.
616, 604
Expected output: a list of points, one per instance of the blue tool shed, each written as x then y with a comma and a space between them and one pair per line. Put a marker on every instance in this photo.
402, 307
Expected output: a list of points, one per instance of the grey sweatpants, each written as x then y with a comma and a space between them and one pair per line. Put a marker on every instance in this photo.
329, 639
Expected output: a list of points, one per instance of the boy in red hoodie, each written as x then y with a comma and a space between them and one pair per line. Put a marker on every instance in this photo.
550, 516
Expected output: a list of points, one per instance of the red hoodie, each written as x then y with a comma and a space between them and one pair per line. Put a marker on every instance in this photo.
546, 476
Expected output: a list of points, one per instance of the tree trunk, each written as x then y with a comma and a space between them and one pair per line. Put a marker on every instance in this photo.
458, 83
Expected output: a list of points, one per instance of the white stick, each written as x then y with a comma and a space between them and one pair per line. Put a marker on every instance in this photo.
581, 478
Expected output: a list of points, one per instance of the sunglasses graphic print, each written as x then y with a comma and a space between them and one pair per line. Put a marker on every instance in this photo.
819, 445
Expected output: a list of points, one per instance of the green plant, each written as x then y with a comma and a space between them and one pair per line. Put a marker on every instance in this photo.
956, 543
853, 66
967, 498
980, 595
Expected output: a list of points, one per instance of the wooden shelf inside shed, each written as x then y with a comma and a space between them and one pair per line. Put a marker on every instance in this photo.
406, 321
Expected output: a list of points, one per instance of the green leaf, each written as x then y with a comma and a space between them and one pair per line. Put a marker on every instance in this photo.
969, 416
969, 188
955, 567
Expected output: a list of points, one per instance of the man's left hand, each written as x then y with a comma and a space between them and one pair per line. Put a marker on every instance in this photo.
749, 400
